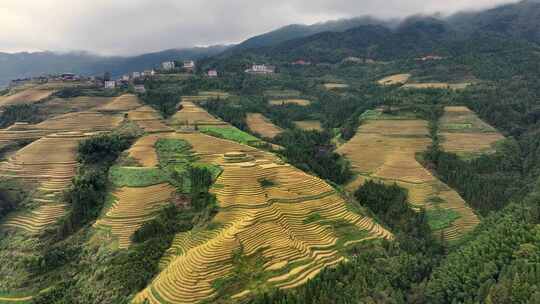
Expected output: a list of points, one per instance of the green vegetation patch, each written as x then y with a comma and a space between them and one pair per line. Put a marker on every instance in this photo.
248, 273
441, 218
231, 133
136, 176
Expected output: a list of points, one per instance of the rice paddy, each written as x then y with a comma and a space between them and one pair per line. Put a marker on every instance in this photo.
394, 79
267, 221
385, 150
463, 133
50, 163
132, 207
193, 115
259, 124
309, 125
123, 103
148, 119
31, 95
231, 133
437, 85
335, 86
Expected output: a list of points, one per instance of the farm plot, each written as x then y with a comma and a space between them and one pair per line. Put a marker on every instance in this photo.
148, 119
463, 133
32, 95
59, 106
123, 103
261, 125
191, 115
335, 86
132, 208
295, 223
50, 163
437, 85
81, 121
309, 125
144, 152
385, 150
211, 149
281, 102
231, 133
394, 79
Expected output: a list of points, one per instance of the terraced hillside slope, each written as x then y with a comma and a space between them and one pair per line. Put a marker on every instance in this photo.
148, 119
261, 125
50, 163
105, 116
191, 115
30, 95
463, 133
385, 148
292, 223
141, 190
394, 79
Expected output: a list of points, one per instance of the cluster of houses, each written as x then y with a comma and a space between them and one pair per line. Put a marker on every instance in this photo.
64, 77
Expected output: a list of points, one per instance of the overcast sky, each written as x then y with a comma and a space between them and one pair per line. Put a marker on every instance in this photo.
127, 27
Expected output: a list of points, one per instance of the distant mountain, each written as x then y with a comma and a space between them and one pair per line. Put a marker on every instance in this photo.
504, 27
519, 20
299, 30
20, 65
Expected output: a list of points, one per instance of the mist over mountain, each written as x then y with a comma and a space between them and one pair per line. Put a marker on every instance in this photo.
326, 41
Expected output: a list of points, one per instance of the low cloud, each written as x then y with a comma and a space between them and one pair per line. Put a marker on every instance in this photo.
127, 27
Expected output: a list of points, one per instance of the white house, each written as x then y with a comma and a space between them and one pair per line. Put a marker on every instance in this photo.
189, 65
212, 73
125, 77
149, 73
261, 69
110, 84
136, 75
139, 88
168, 65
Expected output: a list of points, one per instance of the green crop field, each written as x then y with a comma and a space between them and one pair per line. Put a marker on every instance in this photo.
231, 133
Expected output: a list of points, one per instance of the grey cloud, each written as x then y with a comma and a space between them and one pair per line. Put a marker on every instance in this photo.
137, 26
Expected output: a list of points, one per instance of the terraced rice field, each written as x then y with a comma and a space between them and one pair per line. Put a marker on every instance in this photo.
144, 152
255, 220
437, 85
148, 119
27, 96
123, 103
462, 132
132, 208
309, 125
261, 125
50, 163
395, 79
87, 121
335, 86
81, 121
59, 106
280, 102
385, 150
191, 114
